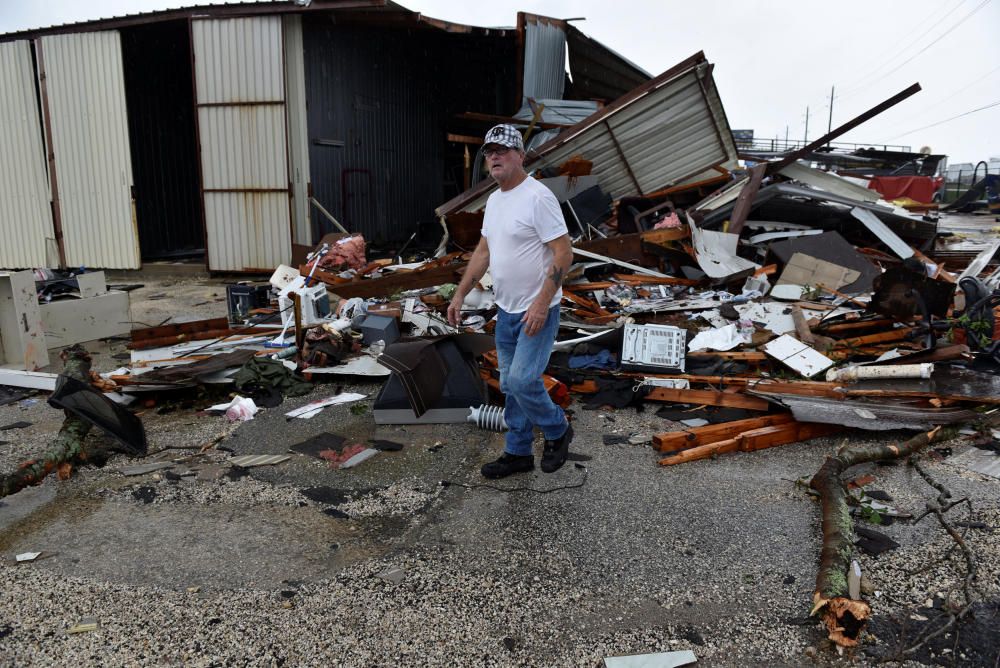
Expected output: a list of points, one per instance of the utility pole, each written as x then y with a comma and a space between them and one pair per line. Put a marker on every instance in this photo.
786, 137
805, 138
829, 122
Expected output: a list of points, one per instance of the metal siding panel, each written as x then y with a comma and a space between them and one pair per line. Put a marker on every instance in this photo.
239, 60
378, 92
246, 230
667, 136
86, 93
246, 149
243, 146
25, 213
544, 61
298, 135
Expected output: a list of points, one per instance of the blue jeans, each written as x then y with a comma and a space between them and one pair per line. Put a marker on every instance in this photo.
522, 360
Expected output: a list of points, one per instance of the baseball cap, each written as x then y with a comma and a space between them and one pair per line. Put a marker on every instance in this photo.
505, 135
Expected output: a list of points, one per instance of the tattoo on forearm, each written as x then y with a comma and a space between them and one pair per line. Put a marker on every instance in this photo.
557, 276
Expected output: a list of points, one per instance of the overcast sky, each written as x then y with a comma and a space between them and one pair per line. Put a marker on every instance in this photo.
772, 59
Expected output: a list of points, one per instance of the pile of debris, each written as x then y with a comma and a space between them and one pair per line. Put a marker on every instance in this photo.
761, 306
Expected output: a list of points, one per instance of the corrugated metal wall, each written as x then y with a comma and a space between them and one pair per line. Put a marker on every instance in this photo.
298, 134
544, 59
376, 126
240, 93
25, 213
86, 96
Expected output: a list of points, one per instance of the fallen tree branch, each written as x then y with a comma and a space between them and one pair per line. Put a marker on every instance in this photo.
67, 449
846, 618
938, 508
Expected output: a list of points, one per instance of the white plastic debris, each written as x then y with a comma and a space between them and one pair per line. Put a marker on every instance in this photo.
241, 409
722, 338
27, 556
313, 408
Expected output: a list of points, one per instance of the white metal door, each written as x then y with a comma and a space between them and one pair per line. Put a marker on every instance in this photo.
85, 90
25, 211
240, 96
298, 136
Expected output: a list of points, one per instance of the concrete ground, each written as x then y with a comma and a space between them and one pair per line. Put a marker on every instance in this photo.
411, 560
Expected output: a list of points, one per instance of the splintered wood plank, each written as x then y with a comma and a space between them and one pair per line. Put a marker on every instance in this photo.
756, 439
679, 440
708, 398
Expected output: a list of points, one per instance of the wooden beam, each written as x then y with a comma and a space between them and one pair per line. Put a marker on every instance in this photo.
755, 439
673, 441
707, 398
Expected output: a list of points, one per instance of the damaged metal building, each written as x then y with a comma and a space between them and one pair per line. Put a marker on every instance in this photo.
206, 130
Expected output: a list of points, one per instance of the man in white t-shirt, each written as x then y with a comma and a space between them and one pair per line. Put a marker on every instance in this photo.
527, 249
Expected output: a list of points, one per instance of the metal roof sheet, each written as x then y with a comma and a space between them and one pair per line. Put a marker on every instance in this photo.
670, 130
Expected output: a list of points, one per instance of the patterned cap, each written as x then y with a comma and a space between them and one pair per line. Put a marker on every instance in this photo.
505, 135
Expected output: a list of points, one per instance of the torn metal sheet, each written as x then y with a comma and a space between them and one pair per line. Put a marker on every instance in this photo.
882, 231
143, 469
829, 182
866, 414
979, 263
797, 356
91, 406
658, 660
314, 407
250, 461
783, 234
716, 253
980, 461
670, 130
945, 382
632, 267
186, 373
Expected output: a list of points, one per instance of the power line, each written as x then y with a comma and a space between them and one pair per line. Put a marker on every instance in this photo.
936, 40
901, 50
971, 111
949, 97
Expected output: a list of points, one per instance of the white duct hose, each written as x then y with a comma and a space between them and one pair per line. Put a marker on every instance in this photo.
880, 372
487, 417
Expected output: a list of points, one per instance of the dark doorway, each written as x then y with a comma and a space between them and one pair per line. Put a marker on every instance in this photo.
160, 99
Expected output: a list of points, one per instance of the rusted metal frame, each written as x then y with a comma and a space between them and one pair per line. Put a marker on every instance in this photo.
262, 103
773, 167
570, 132
50, 153
197, 145
190, 13
744, 202
288, 146
500, 118
463, 139
521, 44
621, 154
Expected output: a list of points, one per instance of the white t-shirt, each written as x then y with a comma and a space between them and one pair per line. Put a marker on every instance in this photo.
517, 225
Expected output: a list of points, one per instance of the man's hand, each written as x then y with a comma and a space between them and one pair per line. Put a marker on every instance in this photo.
455, 310
534, 318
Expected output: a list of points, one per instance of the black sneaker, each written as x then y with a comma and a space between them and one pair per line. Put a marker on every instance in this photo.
555, 452
508, 464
